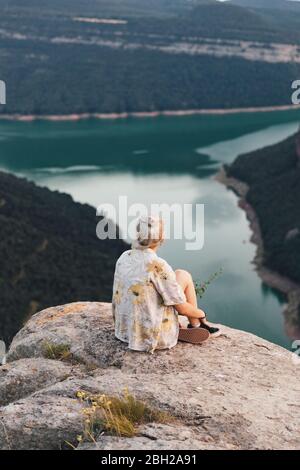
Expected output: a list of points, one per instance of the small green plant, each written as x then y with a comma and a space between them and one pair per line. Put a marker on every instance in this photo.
117, 415
59, 352
201, 287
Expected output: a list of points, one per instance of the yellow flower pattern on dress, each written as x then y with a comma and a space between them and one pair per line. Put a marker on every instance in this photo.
144, 294
117, 297
167, 319
138, 291
158, 268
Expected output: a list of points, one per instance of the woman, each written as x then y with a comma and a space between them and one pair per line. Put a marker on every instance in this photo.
148, 296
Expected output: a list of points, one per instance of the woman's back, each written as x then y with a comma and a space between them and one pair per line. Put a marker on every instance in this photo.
145, 291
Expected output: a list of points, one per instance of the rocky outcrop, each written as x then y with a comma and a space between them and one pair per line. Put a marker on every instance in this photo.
21, 378
235, 392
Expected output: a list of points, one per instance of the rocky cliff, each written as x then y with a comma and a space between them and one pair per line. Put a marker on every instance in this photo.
235, 392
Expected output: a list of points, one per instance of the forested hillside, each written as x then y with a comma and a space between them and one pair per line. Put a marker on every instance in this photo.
70, 56
49, 252
285, 5
273, 175
129, 8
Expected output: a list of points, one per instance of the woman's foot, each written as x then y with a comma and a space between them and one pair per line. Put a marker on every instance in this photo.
213, 331
193, 335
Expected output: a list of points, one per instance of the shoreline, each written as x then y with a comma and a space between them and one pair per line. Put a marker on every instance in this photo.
271, 278
140, 114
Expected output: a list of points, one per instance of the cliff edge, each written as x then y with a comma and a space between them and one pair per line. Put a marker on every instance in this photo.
234, 392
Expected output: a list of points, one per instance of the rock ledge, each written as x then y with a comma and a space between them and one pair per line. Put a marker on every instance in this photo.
235, 392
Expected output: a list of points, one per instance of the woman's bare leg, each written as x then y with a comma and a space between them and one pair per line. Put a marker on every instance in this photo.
185, 280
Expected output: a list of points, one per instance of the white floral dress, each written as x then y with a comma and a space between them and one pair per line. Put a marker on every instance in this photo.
145, 291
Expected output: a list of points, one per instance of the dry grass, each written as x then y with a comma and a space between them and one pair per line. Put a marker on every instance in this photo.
59, 352
62, 352
117, 415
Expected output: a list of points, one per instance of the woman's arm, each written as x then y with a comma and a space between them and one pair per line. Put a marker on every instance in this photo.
189, 310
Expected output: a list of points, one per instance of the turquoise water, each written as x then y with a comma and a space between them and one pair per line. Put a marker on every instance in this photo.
169, 160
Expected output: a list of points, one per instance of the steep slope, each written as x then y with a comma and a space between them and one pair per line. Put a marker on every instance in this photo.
49, 252
271, 199
273, 176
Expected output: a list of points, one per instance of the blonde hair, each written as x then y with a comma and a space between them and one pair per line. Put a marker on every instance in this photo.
149, 232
